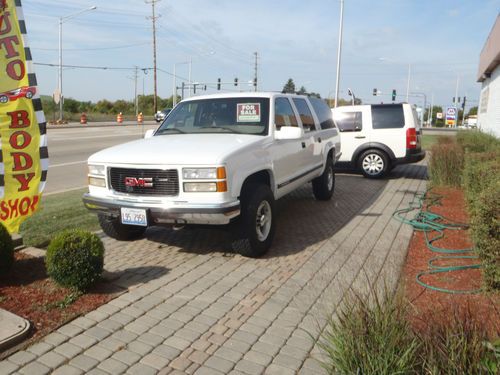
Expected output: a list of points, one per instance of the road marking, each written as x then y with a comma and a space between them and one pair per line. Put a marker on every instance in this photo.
66, 164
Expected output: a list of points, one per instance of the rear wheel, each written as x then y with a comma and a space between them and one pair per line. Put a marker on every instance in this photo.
115, 229
324, 185
4, 99
374, 163
257, 222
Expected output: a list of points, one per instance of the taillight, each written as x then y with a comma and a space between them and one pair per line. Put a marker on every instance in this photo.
411, 138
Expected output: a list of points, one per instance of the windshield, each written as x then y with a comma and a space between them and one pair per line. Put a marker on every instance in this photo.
245, 115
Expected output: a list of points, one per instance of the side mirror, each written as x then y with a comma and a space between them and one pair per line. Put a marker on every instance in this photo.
289, 132
149, 133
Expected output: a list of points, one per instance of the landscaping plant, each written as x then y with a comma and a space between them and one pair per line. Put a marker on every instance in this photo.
446, 164
370, 335
75, 259
6, 250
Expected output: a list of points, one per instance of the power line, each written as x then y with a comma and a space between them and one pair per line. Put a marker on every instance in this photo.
92, 49
85, 66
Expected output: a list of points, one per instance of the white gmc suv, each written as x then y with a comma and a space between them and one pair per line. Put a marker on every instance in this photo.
214, 160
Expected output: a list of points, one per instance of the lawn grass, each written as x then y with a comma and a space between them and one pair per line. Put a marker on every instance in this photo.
428, 140
57, 212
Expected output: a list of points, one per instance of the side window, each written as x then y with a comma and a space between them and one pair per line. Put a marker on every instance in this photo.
283, 113
324, 113
305, 114
349, 121
388, 116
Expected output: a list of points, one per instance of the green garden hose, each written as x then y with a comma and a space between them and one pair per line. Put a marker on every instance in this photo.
429, 222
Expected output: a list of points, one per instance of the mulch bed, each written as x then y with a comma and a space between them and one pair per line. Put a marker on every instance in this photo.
28, 292
432, 305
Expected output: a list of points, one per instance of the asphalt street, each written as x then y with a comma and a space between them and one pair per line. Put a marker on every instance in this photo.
69, 149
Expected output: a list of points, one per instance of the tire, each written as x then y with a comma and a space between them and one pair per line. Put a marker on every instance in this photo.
324, 185
29, 95
257, 222
114, 229
4, 99
374, 163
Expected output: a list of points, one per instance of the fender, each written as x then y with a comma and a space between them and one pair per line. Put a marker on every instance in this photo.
372, 145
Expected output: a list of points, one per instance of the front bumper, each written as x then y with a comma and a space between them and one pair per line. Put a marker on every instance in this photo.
218, 214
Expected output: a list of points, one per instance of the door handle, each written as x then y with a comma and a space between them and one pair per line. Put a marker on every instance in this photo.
319, 139
303, 144
359, 136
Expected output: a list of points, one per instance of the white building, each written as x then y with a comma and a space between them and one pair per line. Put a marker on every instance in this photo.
489, 75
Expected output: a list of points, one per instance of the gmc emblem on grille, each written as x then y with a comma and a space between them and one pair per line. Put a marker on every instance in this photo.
145, 182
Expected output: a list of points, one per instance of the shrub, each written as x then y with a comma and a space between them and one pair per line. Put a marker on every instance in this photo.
445, 139
455, 344
370, 337
6, 250
446, 164
477, 141
485, 225
75, 259
480, 170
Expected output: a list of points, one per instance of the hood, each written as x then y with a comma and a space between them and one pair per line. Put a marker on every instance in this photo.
180, 149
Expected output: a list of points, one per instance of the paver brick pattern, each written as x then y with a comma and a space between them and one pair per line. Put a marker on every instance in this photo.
194, 307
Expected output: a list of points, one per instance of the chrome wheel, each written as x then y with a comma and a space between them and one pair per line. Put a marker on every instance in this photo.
330, 179
263, 220
373, 164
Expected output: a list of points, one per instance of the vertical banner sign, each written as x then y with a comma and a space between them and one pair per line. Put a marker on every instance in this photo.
23, 140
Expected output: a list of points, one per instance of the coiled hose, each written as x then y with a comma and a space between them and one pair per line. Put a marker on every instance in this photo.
429, 222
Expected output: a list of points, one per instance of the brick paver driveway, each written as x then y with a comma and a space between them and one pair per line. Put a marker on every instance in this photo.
194, 307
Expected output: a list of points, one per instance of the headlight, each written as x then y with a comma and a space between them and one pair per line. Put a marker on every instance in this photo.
95, 181
193, 187
199, 173
97, 170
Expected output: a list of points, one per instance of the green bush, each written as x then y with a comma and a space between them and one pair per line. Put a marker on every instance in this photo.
371, 335
75, 259
446, 164
485, 225
477, 141
6, 250
480, 170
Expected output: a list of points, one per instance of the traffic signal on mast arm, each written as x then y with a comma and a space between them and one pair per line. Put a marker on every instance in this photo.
375, 92
463, 103
236, 81
393, 95
218, 83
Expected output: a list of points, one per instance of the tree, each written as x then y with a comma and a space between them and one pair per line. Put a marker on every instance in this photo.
289, 87
302, 91
472, 111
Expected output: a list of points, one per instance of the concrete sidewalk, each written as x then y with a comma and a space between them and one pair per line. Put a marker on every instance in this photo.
194, 307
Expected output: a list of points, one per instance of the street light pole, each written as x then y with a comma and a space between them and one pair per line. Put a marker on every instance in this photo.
60, 86
339, 51
408, 84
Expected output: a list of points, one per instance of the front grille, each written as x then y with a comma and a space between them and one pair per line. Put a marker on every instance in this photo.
165, 182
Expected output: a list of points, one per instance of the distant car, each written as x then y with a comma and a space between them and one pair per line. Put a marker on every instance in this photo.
375, 138
22, 92
161, 115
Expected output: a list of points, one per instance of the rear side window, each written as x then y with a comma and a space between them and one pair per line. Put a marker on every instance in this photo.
388, 116
324, 113
305, 114
349, 121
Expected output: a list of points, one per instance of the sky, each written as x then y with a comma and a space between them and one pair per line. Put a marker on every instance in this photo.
436, 43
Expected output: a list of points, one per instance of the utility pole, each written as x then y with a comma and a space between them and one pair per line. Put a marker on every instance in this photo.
339, 53
429, 119
408, 84
154, 18
256, 67
136, 76
456, 101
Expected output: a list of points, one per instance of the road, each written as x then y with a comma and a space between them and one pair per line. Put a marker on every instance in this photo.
69, 149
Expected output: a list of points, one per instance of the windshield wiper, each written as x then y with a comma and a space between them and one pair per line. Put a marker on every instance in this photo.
222, 127
162, 131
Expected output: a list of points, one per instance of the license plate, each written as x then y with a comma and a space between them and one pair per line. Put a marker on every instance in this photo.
134, 216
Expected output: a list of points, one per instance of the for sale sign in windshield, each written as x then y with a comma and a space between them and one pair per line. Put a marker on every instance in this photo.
23, 142
248, 112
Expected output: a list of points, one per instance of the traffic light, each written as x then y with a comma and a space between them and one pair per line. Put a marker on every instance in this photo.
459, 99
453, 100
194, 88
236, 81
393, 95
218, 83
255, 82
463, 103
375, 91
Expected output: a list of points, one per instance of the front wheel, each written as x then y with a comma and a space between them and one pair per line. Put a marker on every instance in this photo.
115, 229
324, 185
257, 224
374, 164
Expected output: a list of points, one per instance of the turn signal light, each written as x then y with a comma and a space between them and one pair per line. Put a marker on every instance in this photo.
221, 186
221, 173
